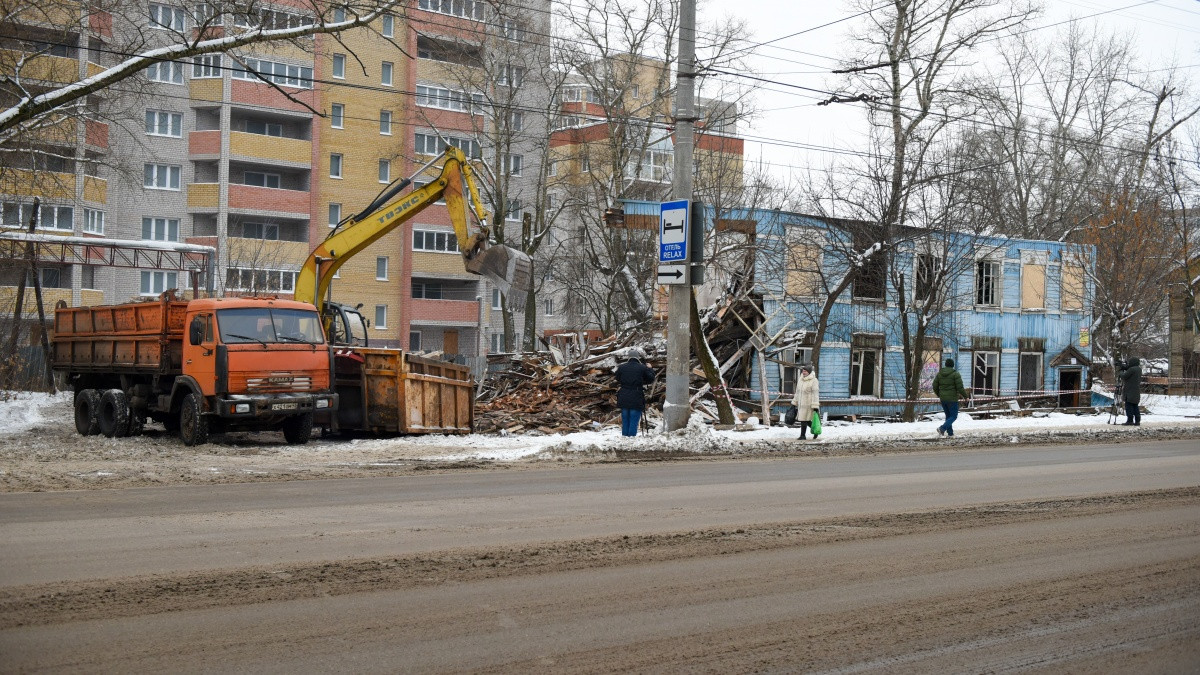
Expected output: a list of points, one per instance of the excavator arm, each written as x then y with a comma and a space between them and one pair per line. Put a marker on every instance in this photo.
510, 269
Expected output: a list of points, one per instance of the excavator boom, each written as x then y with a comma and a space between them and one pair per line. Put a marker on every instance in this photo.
508, 268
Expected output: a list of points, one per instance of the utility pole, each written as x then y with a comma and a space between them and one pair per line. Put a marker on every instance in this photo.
678, 407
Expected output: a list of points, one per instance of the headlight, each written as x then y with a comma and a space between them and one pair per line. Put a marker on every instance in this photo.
322, 403
241, 407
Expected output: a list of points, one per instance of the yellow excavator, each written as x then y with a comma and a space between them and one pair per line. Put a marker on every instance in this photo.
509, 269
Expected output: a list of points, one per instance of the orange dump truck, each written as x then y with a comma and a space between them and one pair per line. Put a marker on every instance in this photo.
197, 367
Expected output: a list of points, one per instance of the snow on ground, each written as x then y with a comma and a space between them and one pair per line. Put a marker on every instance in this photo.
22, 411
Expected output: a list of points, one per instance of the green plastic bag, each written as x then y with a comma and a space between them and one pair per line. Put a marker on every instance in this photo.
816, 422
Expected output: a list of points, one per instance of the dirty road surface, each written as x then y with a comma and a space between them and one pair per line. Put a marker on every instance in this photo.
1028, 559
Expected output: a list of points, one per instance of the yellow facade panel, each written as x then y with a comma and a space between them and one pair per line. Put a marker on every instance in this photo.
206, 89
437, 263
264, 254
95, 189
270, 147
45, 184
203, 195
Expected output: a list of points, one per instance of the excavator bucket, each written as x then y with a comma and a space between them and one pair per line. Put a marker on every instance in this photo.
508, 268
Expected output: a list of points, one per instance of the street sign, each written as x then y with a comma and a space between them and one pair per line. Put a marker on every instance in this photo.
670, 274
673, 232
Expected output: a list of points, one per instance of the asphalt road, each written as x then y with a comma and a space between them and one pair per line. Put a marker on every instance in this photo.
1054, 559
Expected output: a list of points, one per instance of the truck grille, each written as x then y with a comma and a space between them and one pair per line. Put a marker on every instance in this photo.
279, 383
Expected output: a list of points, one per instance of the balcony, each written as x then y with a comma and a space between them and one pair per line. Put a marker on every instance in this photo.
444, 311
293, 151
203, 195
204, 143
45, 68
52, 185
96, 134
258, 199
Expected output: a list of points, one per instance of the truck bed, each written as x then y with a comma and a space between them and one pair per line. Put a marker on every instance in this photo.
138, 337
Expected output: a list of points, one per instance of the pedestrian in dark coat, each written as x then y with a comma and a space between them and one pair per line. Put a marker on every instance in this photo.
633, 376
1131, 388
948, 386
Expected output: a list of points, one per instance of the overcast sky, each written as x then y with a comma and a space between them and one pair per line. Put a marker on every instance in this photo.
1165, 31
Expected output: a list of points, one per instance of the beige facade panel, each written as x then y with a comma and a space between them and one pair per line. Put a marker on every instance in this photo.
1072, 287
45, 184
208, 89
267, 254
203, 195
50, 297
95, 189
440, 264
44, 68
294, 151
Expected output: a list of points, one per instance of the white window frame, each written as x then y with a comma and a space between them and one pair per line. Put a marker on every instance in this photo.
155, 282
466, 9
990, 361
267, 128
207, 66
267, 179
514, 210
175, 19
443, 241
386, 73
388, 27
156, 228
93, 221
856, 361
992, 280
548, 309
335, 165
335, 214
496, 302
337, 115
165, 72
381, 268
266, 231
385, 122
380, 317
155, 121
339, 66
59, 218
162, 177
385, 171
513, 164
261, 280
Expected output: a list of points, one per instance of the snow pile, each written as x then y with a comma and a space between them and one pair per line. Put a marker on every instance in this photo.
22, 410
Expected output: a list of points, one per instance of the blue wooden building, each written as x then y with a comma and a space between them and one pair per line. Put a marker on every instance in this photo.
1012, 313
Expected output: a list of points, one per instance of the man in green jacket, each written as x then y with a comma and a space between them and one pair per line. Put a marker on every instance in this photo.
948, 386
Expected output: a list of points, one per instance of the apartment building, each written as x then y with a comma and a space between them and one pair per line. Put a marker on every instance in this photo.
259, 154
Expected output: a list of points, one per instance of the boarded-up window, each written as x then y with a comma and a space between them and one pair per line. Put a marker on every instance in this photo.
1072, 288
803, 274
1033, 286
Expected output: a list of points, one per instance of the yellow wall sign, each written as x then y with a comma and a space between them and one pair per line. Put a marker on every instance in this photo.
1084, 337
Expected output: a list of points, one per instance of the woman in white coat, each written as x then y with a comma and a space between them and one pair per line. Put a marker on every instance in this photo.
807, 399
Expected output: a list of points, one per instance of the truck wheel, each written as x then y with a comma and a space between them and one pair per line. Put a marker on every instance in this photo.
87, 412
298, 429
114, 414
193, 425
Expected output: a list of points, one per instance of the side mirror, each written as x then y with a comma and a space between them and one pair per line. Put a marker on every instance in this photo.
196, 331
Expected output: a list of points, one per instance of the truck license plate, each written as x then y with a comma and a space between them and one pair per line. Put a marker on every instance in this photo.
283, 406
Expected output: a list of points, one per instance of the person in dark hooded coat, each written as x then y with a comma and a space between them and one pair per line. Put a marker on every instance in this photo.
633, 376
1131, 388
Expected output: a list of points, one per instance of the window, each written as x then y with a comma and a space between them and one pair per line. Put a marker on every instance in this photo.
426, 290
264, 128
256, 280
87, 276
386, 73
339, 66
93, 221
448, 99
17, 215
261, 179
339, 14
585, 163
162, 123
552, 169
433, 240
927, 269
549, 308
1029, 372
385, 171
271, 19
389, 25
208, 65
428, 144
337, 113
1072, 288
496, 299
279, 73
987, 283
985, 375
162, 176
335, 214
864, 372
264, 231
206, 15
335, 165
381, 268
635, 91
512, 164
790, 361
385, 122
167, 18
514, 210
497, 343
804, 270
468, 9
49, 217
1033, 281
510, 76
516, 121
380, 317
869, 283
414, 341
160, 229
170, 72
511, 29
154, 283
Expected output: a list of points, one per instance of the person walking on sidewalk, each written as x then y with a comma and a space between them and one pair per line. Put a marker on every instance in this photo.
807, 400
948, 386
1131, 386
633, 376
